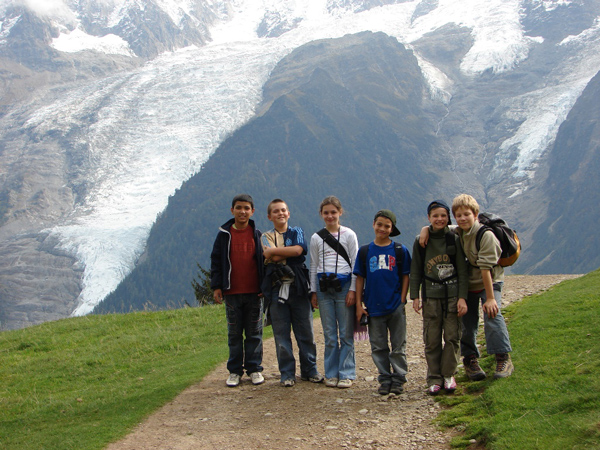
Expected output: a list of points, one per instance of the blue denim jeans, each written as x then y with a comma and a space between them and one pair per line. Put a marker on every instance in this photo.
338, 331
496, 333
244, 316
296, 314
392, 366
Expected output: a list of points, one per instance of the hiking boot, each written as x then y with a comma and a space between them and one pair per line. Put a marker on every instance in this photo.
384, 388
233, 380
317, 378
449, 384
504, 366
257, 378
434, 389
331, 382
343, 384
472, 369
288, 383
397, 388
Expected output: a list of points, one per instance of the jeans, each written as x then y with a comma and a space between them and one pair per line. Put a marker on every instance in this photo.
244, 316
392, 366
496, 333
338, 330
296, 314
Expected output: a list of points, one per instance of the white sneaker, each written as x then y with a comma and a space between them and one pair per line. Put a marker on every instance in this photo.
257, 378
331, 382
233, 380
343, 384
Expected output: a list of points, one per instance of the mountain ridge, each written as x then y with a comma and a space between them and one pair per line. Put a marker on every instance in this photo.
98, 141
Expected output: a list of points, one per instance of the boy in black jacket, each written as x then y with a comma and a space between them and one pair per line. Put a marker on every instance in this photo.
236, 272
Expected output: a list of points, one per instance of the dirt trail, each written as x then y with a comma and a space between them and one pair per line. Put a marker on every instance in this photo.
209, 415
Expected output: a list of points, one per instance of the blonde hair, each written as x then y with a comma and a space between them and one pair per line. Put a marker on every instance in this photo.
467, 201
331, 200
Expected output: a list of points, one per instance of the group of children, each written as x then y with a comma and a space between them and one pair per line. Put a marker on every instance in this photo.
449, 275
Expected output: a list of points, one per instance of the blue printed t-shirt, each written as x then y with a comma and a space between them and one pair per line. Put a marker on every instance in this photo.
382, 281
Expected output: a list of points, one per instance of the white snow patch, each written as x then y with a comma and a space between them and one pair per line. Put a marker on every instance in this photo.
6, 26
440, 86
544, 110
78, 40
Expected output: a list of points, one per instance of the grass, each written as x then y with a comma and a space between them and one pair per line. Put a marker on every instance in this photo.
81, 383
552, 400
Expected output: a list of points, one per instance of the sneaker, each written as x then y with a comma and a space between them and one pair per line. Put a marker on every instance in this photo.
397, 388
318, 378
449, 384
343, 384
384, 388
257, 378
504, 366
331, 382
434, 389
288, 383
233, 380
472, 369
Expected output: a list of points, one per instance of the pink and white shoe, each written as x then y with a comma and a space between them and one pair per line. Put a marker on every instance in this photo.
449, 384
434, 389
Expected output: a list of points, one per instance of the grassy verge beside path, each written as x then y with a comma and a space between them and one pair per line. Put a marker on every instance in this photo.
552, 401
81, 383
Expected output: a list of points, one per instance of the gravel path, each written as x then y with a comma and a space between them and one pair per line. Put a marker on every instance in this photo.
209, 415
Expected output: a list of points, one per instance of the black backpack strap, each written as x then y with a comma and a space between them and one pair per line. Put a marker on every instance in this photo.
362, 257
399, 256
451, 252
334, 244
479, 235
399, 260
451, 247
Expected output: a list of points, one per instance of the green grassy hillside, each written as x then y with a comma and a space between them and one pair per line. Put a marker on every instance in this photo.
84, 382
552, 399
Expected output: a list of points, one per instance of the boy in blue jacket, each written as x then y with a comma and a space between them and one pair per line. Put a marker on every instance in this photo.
286, 287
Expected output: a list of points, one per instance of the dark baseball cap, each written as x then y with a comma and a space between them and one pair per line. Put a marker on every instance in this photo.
389, 215
439, 204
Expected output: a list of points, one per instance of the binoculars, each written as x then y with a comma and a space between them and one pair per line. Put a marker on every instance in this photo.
328, 281
282, 272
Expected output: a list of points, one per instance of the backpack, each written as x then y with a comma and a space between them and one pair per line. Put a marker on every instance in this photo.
509, 241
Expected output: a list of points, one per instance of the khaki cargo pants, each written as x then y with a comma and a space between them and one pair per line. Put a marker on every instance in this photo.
441, 334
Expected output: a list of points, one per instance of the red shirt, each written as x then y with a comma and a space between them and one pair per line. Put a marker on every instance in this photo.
244, 269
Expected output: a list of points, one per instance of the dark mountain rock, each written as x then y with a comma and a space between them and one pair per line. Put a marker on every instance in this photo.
566, 235
349, 123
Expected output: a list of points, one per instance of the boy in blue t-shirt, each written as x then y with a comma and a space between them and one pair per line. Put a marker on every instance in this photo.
385, 287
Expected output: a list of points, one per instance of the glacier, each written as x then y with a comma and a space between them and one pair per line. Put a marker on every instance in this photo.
157, 125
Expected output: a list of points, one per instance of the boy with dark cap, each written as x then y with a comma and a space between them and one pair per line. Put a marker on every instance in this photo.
440, 271
382, 269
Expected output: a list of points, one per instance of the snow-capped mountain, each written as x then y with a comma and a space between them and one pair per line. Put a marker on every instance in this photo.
108, 106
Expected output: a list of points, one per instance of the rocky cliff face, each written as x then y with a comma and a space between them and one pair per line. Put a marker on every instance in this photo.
97, 132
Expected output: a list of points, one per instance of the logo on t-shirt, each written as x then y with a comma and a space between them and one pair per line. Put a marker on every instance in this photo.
445, 270
382, 262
